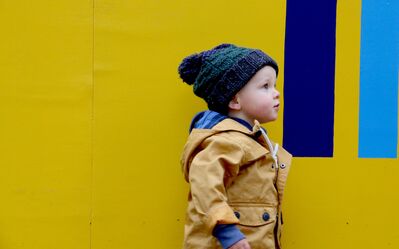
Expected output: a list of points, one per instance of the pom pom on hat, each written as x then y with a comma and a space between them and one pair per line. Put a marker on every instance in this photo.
190, 68
191, 65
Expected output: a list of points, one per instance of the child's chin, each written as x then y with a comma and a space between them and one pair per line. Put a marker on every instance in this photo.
273, 119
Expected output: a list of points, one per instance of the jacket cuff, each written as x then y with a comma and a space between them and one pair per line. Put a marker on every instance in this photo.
227, 234
220, 215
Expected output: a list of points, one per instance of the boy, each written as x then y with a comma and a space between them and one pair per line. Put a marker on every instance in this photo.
236, 174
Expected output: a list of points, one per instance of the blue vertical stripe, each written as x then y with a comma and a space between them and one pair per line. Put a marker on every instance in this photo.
309, 77
379, 62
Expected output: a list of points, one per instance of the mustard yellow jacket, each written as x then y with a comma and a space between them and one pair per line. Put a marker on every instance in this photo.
236, 176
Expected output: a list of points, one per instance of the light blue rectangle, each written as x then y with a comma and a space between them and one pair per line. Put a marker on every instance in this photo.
379, 63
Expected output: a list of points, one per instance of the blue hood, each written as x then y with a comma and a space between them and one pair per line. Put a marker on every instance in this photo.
208, 119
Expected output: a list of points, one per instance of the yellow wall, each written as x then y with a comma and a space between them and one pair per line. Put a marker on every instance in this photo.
45, 124
93, 118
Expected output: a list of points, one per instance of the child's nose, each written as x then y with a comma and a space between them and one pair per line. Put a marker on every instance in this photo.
277, 94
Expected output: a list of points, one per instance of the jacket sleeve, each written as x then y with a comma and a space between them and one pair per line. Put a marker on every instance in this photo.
218, 161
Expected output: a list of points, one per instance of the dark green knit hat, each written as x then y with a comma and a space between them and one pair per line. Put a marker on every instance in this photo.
218, 74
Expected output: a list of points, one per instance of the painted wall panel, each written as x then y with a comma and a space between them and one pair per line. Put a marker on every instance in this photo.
45, 120
309, 78
379, 79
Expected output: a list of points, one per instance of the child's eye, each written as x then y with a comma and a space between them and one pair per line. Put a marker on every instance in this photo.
266, 86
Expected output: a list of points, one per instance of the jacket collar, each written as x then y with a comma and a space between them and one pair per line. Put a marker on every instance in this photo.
229, 124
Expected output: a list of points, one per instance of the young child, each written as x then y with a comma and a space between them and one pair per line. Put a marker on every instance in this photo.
236, 174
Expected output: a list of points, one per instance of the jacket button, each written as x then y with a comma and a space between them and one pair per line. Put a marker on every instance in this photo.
237, 214
282, 166
266, 216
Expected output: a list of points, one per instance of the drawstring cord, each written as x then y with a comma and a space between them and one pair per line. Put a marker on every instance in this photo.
274, 150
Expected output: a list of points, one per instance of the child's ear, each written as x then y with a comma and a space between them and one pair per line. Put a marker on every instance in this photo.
234, 104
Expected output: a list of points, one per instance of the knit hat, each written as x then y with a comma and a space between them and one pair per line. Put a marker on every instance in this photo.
218, 74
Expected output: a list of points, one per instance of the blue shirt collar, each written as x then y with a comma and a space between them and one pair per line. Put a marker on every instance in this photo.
243, 122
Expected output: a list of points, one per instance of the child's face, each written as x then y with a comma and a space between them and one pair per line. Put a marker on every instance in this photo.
259, 98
